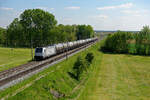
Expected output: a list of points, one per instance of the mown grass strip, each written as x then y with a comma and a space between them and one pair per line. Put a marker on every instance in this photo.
120, 77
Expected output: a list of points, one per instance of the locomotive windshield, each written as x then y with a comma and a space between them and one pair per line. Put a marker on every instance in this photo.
38, 50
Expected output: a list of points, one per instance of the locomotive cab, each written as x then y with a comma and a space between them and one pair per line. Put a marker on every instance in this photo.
39, 53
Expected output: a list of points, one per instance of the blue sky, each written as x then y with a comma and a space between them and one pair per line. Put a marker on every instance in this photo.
101, 14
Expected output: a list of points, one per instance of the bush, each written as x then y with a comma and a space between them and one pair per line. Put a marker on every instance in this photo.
125, 42
89, 57
117, 42
79, 67
143, 41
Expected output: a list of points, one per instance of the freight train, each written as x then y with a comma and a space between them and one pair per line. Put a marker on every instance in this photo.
48, 51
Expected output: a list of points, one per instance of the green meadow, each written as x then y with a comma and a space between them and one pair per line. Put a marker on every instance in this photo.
119, 77
13, 57
110, 77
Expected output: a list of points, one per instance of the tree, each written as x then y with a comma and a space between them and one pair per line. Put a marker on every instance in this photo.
63, 33
58, 34
70, 33
143, 41
15, 34
123, 42
2, 35
84, 32
37, 25
117, 42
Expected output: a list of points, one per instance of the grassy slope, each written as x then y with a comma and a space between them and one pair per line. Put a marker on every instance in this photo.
55, 77
111, 77
120, 77
10, 58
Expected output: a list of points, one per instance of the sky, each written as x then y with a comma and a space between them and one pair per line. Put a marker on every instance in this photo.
126, 15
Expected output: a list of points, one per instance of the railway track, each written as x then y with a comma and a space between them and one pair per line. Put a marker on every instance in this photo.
8, 76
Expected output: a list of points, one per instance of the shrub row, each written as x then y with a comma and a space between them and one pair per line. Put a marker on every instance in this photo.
127, 42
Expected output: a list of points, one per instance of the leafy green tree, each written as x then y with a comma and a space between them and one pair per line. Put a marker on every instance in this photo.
15, 35
117, 42
2, 36
58, 34
37, 25
71, 35
63, 33
123, 42
84, 32
143, 41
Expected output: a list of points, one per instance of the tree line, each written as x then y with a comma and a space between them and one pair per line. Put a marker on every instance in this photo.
39, 28
128, 42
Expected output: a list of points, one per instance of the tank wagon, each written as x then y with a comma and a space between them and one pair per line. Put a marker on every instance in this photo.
48, 51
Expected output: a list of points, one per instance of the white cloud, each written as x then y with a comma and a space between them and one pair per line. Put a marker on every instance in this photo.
5, 8
135, 22
72, 8
128, 23
100, 16
46, 8
67, 19
51, 8
43, 8
135, 12
130, 11
127, 5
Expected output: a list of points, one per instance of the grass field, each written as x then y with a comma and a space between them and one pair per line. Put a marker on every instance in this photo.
55, 78
119, 77
13, 57
110, 77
